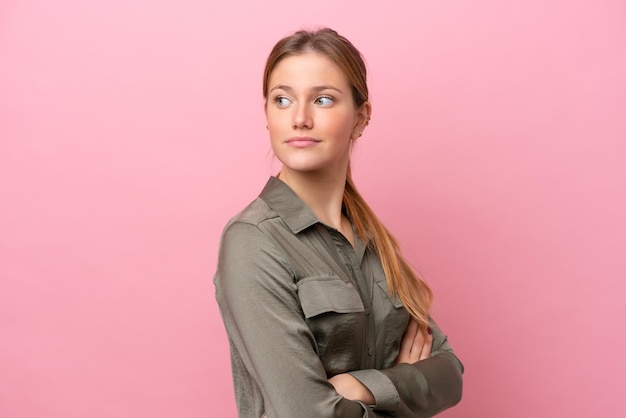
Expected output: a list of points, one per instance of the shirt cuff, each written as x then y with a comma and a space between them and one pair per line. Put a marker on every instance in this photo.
384, 391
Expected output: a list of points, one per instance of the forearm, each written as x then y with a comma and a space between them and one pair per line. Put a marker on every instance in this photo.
422, 389
429, 386
350, 388
419, 389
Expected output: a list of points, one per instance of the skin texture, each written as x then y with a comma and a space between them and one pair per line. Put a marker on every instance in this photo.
309, 97
416, 344
313, 122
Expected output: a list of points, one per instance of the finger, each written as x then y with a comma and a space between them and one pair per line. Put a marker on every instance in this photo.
407, 342
418, 346
428, 344
411, 329
409, 336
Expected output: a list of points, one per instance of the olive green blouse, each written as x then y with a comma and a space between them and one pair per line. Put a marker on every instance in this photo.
300, 305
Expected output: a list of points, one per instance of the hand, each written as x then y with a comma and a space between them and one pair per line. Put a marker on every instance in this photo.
350, 388
416, 344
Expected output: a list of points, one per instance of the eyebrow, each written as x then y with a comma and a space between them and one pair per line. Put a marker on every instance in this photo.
315, 89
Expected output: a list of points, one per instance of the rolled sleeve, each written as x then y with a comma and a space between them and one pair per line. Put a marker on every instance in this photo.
424, 388
383, 389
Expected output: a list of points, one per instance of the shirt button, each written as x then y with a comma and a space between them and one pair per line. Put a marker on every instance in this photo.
370, 352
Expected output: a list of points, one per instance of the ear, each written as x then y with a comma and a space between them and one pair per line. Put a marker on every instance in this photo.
363, 116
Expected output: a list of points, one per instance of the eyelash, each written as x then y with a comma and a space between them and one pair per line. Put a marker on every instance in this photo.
326, 97
278, 99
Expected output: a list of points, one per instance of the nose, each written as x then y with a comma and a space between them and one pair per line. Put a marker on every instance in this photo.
302, 118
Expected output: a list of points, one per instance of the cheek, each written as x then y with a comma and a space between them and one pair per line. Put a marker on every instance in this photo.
274, 140
276, 120
276, 134
339, 122
342, 126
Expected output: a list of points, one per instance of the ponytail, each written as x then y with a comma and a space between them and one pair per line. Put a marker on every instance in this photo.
401, 279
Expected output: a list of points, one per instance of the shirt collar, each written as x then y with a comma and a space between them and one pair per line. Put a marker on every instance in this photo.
296, 214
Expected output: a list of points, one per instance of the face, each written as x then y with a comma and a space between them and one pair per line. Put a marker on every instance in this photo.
311, 115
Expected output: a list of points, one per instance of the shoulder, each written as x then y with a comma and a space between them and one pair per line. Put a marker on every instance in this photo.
248, 247
248, 221
251, 232
254, 214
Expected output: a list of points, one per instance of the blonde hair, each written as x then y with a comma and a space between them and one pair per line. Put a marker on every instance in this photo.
401, 278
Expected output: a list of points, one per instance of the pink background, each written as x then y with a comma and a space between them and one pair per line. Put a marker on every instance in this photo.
130, 132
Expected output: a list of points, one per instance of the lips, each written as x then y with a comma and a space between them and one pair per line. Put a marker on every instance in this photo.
302, 141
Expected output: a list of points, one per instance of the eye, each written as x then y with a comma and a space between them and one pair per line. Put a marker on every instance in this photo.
282, 101
324, 101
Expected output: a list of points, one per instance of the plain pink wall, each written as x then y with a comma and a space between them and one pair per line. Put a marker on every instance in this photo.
130, 131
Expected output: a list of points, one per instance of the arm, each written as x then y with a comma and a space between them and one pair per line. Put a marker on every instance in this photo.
264, 321
420, 389
416, 345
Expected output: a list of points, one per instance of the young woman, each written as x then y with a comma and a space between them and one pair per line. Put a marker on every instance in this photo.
325, 318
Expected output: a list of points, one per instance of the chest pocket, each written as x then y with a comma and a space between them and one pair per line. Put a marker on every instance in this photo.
320, 295
335, 315
395, 300
395, 320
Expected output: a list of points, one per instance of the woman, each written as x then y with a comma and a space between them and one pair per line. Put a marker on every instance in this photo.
324, 316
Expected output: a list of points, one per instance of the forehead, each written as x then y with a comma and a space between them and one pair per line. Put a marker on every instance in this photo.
309, 69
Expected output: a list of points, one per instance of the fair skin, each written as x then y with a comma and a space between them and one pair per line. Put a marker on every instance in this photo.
313, 122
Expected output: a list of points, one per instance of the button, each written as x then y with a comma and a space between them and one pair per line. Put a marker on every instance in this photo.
370, 352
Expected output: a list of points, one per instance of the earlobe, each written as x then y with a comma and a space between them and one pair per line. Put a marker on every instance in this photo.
366, 112
364, 118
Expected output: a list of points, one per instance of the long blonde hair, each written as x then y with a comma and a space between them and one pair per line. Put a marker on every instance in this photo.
401, 278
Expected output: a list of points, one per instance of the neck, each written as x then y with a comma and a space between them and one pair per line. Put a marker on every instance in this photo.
323, 193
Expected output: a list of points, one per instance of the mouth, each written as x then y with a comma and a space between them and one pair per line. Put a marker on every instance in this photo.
302, 141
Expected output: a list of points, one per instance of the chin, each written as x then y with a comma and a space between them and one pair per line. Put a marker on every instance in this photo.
301, 166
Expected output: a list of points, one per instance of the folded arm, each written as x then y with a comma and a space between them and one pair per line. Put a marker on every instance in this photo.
422, 383
264, 321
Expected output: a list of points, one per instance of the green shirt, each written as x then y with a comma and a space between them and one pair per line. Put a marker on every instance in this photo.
300, 305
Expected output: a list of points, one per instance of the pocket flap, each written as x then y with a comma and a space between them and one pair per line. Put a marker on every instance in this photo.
395, 300
328, 294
